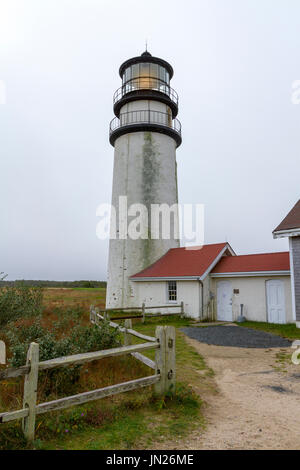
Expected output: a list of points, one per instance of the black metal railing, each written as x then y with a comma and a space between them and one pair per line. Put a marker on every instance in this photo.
145, 83
145, 117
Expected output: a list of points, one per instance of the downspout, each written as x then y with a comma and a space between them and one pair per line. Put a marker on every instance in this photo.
200, 302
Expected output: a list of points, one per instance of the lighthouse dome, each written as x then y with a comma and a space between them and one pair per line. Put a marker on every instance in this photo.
146, 54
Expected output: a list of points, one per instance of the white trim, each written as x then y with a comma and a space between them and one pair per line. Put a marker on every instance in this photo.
293, 232
216, 260
197, 278
251, 274
292, 279
169, 278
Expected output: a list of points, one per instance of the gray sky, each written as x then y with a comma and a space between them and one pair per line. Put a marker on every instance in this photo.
234, 61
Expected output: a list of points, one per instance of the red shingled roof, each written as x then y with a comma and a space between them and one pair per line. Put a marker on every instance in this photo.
180, 262
252, 263
292, 220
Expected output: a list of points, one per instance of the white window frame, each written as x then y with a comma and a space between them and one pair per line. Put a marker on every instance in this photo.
171, 301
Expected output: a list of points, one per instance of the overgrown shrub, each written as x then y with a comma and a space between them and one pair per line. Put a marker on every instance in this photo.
78, 339
20, 302
93, 338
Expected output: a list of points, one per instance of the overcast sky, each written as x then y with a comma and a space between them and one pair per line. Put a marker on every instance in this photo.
234, 62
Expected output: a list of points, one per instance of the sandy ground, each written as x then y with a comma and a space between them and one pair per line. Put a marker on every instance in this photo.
256, 404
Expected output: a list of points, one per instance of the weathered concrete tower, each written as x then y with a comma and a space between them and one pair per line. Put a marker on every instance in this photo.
145, 134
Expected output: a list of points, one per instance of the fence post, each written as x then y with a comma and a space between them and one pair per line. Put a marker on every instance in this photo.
127, 336
160, 361
182, 309
170, 359
165, 360
30, 391
143, 313
2, 353
92, 314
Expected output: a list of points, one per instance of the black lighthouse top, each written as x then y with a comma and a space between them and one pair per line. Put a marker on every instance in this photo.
146, 57
145, 78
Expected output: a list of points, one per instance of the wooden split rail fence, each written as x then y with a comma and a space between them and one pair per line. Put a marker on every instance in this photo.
143, 310
163, 377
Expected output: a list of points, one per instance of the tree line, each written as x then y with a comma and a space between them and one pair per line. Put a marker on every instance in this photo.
42, 283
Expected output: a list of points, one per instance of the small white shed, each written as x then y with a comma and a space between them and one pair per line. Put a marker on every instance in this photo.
213, 282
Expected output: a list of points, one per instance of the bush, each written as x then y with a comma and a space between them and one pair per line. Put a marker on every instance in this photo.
20, 302
93, 338
80, 339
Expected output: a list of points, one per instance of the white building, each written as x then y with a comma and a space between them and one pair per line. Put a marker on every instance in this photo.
213, 282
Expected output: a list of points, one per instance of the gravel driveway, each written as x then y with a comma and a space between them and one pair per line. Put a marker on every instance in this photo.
236, 336
252, 401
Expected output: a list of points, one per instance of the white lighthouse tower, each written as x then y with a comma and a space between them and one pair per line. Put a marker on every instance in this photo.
145, 134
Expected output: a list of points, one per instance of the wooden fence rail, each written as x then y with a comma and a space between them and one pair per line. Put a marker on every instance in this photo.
106, 312
163, 378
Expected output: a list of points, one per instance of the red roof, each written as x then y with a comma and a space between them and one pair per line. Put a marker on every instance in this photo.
181, 262
292, 220
252, 263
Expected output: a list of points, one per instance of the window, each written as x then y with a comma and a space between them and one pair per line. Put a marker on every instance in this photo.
127, 74
135, 71
153, 70
146, 75
172, 291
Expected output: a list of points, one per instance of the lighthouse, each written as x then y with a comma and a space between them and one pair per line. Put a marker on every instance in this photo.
145, 134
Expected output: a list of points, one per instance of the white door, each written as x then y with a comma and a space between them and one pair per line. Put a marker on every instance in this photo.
224, 301
276, 301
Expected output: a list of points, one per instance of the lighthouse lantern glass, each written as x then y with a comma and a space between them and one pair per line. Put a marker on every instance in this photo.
146, 76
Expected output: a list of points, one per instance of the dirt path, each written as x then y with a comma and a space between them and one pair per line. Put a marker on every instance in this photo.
257, 405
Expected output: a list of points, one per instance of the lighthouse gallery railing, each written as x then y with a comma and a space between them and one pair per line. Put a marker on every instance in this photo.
145, 83
145, 117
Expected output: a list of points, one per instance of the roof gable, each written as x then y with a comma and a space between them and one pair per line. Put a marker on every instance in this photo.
291, 221
185, 262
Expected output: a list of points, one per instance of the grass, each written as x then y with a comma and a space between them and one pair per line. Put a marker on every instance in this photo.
133, 420
286, 331
78, 297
